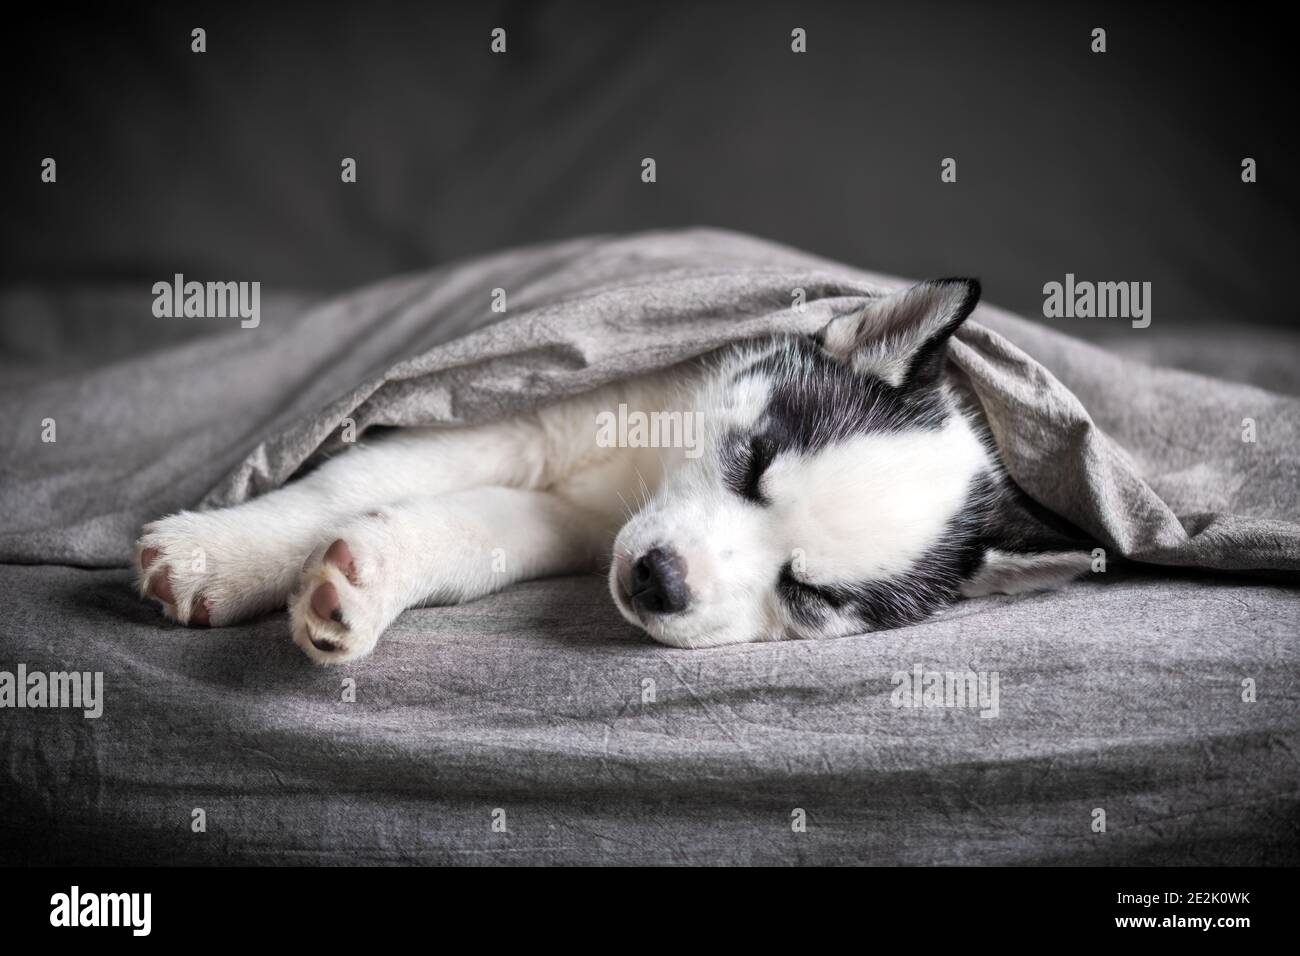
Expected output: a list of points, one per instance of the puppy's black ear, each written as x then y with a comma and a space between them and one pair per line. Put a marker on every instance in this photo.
903, 337
1027, 548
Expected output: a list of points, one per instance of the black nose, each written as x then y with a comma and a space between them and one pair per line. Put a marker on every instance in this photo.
659, 582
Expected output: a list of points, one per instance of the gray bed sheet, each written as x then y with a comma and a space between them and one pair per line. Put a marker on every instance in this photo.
540, 711
1123, 696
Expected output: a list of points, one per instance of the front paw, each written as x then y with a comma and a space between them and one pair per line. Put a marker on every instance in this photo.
343, 600
208, 568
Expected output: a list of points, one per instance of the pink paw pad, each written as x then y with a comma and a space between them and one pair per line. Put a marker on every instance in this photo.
160, 586
325, 603
340, 555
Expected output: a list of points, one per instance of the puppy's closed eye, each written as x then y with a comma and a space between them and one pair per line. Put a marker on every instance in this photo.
801, 593
746, 466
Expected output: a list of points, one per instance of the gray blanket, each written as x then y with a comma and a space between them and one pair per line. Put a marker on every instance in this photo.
1151, 463
1123, 693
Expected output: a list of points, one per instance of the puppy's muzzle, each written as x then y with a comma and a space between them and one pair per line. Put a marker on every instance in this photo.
658, 582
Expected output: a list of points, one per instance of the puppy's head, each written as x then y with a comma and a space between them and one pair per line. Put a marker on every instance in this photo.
839, 489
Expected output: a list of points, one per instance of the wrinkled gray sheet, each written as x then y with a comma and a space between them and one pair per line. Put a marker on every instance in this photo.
1122, 692
1123, 696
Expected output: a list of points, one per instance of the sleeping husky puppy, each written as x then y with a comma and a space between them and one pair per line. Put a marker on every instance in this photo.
838, 483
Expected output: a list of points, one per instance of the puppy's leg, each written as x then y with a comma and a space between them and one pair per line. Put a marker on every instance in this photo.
439, 550
222, 566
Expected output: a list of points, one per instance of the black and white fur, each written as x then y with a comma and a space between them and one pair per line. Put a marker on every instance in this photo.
842, 484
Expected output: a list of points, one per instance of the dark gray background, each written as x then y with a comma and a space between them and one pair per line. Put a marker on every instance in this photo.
225, 165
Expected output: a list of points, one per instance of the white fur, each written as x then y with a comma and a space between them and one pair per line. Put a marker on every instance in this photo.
430, 515
903, 488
